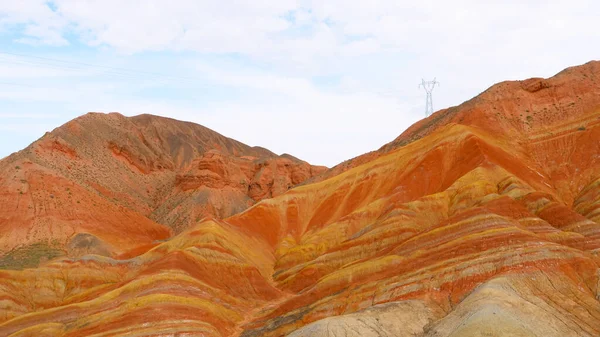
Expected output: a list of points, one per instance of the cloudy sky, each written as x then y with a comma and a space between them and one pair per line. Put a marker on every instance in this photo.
323, 80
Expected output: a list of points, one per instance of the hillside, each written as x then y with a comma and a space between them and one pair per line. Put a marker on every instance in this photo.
511, 109
108, 184
481, 220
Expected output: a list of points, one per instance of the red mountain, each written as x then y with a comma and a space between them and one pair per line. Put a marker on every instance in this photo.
107, 184
480, 220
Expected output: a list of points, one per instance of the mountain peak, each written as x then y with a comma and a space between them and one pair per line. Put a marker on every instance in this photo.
522, 107
157, 170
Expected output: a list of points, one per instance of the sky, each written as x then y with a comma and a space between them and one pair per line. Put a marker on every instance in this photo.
322, 80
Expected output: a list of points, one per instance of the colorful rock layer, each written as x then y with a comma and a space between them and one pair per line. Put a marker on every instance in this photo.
481, 220
110, 185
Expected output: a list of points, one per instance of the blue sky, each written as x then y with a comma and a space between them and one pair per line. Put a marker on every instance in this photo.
323, 80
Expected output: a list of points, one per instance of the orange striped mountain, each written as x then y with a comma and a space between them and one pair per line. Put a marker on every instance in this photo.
481, 220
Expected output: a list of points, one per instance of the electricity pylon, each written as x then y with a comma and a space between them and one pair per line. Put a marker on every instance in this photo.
428, 86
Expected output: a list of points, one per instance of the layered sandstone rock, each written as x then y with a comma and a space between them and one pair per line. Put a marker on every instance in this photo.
129, 183
475, 222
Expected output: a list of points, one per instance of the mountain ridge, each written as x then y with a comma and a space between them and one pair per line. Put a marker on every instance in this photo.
101, 163
484, 223
457, 114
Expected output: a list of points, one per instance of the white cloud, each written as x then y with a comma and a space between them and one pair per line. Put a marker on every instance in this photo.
206, 26
40, 24
36, 34
323, 80
260, 28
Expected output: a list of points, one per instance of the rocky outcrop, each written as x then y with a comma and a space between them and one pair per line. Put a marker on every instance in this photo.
221, 186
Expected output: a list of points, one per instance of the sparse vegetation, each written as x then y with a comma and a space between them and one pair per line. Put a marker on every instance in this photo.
581, 128
18, 167
29, 256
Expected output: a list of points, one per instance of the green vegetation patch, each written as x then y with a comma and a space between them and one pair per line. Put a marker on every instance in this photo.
29, 256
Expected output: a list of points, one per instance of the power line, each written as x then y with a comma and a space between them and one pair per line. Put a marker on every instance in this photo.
72, 69
136, 71
78, 66
108, 72
118, 72
18, 84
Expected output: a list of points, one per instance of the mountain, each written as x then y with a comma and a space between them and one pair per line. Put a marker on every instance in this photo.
108, 184
480, 220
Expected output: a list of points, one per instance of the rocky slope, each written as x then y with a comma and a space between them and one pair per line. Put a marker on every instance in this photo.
517, 109
475, 222
107, 184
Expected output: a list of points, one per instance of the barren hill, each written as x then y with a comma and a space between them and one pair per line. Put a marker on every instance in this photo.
106, 184
482, 220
